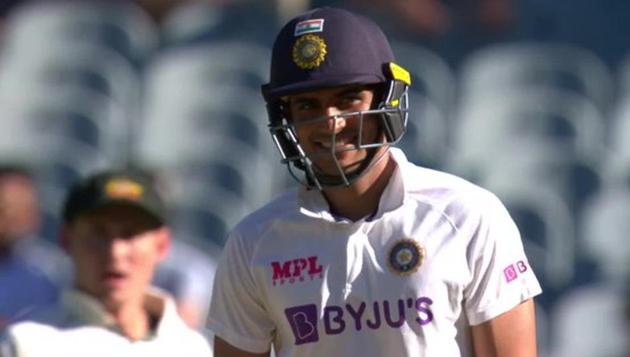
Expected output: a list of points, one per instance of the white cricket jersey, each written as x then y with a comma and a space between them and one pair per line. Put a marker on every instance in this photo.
439, 255
80, 327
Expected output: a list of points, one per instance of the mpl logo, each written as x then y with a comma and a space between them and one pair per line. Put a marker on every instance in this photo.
296, 270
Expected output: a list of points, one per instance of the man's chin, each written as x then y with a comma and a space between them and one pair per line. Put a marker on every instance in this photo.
329, 167
335, 173
335, 177
113, 298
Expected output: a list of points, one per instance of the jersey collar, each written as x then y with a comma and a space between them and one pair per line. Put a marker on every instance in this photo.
87, 310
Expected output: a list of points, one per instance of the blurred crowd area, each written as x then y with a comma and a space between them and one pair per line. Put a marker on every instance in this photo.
528, 98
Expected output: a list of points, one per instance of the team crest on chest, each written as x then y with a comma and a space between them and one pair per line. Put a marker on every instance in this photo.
309, 51
405, 257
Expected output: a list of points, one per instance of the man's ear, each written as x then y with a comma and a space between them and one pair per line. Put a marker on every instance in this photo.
163, 242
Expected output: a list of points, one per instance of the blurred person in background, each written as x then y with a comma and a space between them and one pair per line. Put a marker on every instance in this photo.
434, 18
188, 271
115, 232
451, 28
159, 10
31, 269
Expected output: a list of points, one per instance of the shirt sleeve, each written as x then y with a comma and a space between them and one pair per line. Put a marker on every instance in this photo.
237, 314
501, 275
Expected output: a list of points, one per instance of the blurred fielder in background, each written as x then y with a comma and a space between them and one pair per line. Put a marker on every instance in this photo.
32, 270
114, 231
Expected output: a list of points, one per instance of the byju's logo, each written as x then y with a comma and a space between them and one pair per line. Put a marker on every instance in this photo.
296, 270
336, 319
303, 321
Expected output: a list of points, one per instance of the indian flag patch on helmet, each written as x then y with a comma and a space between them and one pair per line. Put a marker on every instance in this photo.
309, 26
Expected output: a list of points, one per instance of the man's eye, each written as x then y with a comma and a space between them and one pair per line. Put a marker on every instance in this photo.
351, 100
305, 106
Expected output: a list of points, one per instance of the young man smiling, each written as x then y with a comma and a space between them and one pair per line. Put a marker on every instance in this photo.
373, 255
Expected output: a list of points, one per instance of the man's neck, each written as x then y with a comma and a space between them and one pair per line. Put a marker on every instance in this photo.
134, 321
362, 198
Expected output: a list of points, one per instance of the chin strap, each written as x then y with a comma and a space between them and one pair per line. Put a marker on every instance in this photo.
311, 179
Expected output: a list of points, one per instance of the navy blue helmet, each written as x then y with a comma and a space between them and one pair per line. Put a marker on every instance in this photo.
327, 48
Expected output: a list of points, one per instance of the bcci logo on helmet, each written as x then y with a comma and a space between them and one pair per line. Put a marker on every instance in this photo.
309, 52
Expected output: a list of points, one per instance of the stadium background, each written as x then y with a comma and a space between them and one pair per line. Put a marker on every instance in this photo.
528, 98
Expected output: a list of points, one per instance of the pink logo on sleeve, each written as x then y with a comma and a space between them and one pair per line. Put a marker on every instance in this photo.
510, 273
512, 270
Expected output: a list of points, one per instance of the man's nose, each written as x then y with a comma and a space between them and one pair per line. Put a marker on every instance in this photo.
118, 247
335, 122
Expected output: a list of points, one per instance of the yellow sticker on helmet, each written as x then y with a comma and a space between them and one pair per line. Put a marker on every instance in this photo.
399, 73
